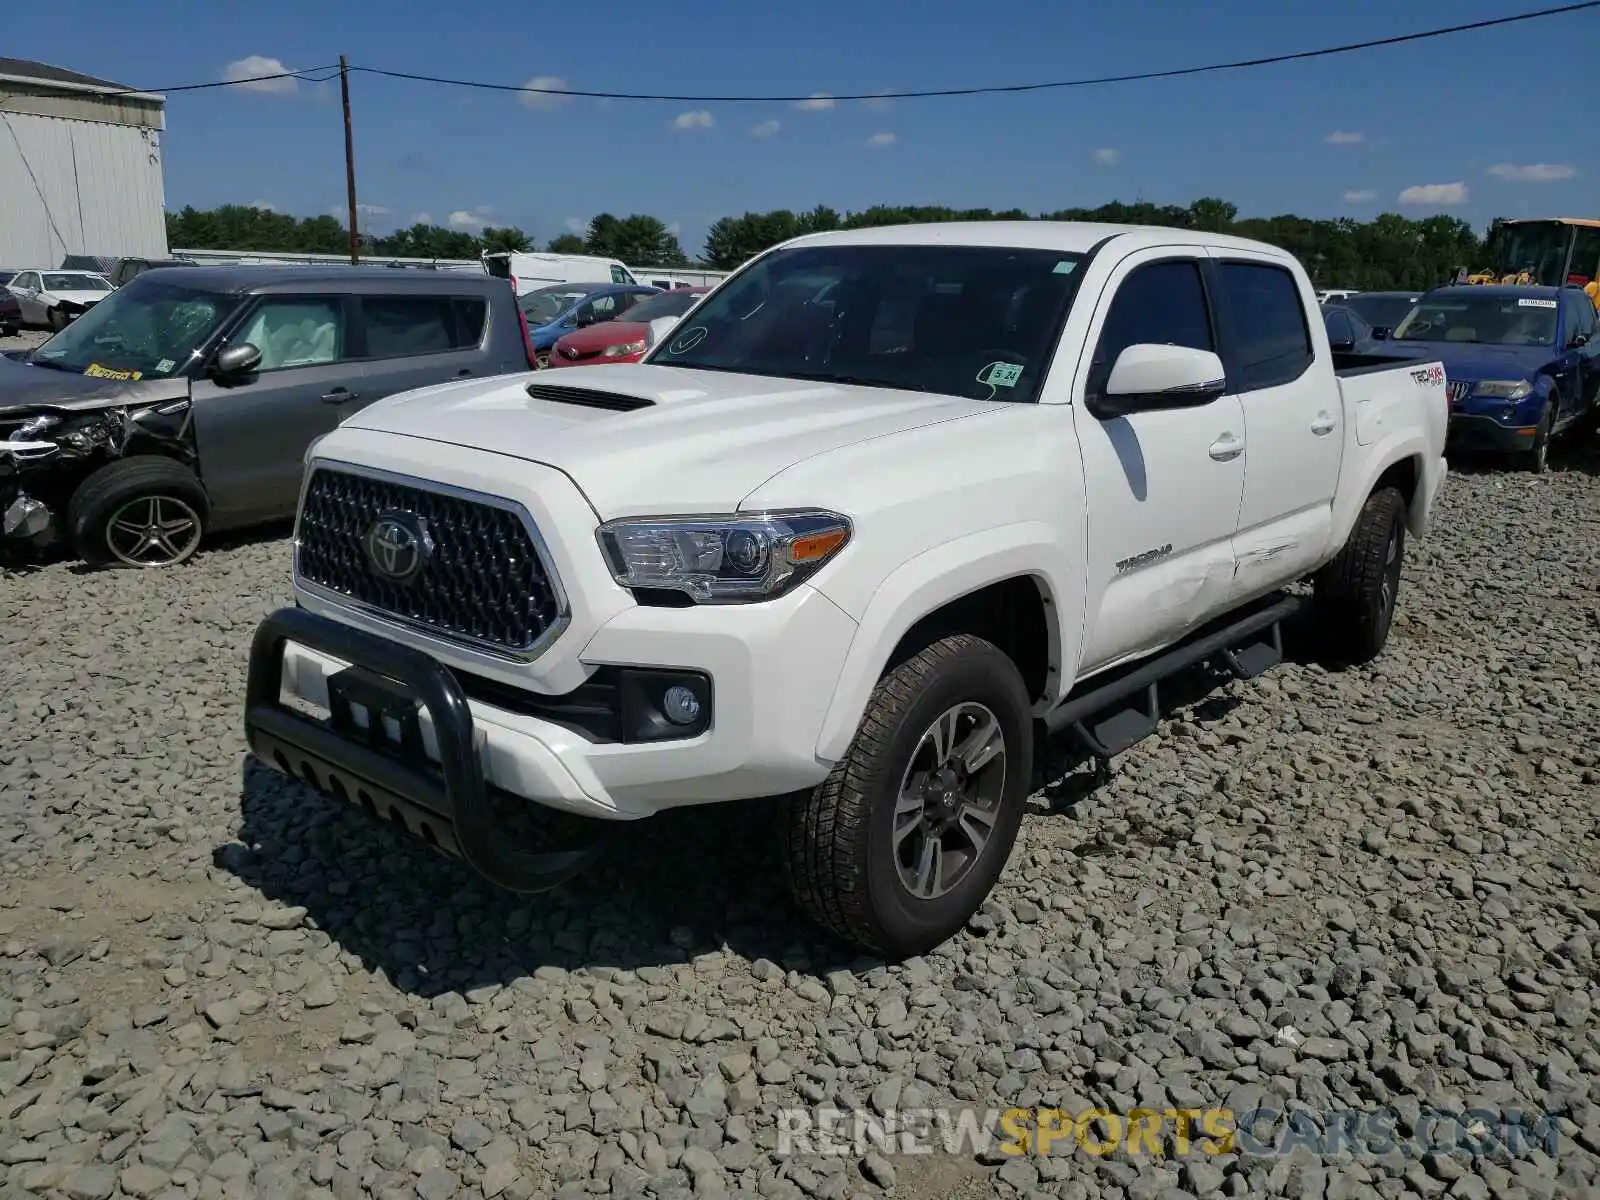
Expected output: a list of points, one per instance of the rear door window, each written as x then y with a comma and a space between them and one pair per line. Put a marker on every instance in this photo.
1270, 343
406, 326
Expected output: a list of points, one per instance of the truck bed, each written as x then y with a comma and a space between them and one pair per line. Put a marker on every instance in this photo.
1346, 364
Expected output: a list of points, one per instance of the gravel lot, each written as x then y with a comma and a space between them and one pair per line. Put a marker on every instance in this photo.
215, 984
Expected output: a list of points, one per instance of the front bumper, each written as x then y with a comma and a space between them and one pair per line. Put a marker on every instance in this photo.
442, 798
1471, 432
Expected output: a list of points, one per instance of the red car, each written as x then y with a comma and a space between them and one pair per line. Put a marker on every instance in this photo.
626, 338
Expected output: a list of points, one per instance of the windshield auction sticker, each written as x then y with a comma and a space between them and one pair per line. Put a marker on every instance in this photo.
96, 371
1526, 303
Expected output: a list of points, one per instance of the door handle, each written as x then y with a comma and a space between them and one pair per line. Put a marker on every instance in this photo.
1323, 424
1227, 448
338, 396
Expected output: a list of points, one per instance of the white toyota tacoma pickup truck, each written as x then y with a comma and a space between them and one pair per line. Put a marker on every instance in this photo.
889, 508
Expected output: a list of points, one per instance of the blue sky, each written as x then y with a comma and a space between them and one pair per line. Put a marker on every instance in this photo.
1472, 119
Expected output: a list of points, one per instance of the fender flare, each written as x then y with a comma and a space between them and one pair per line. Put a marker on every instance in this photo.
930, 580
1398, 447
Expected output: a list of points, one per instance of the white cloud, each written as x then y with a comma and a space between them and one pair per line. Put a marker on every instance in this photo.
372, 210
1360, 196
818, 102
766, 129
1340, 137
422, 218
1435, 193
881, 139
1107, 157
697, 118
674, 229
539, 97
576, 225
251, 67
264, 205
471, 221
1533, 172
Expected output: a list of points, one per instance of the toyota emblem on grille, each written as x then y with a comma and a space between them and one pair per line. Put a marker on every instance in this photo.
398, 545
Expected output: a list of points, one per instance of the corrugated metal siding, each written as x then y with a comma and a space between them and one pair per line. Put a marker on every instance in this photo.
78, 187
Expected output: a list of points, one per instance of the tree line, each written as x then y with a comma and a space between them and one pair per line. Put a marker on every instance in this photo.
1390, 251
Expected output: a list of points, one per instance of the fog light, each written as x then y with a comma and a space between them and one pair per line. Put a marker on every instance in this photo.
680, 705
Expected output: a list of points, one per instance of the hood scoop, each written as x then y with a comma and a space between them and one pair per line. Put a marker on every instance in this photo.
614, 401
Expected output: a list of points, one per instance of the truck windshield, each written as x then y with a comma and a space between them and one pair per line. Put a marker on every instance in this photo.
1483, 319
145, 329
973, 321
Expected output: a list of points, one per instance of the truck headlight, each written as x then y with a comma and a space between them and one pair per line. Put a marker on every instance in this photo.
722, 560
1503, 389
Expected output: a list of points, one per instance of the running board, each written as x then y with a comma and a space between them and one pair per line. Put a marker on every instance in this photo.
1113, 715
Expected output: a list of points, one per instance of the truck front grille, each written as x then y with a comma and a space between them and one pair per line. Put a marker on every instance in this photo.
475, 574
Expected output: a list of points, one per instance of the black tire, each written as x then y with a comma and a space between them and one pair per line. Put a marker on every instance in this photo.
1357, 592
1536, 458
129, 492
841, 854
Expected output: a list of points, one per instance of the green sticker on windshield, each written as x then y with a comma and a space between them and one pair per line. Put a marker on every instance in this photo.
1065, 267
1001, 374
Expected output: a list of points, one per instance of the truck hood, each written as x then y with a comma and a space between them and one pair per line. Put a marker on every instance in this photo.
23, 385
700, 442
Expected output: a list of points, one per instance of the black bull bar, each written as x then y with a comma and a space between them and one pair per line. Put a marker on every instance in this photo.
449, 804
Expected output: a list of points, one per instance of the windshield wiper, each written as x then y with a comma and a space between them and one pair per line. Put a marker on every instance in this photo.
34, 361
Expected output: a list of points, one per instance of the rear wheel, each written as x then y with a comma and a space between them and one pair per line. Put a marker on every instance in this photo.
541, 359
904, 840
1357, 592
138, 512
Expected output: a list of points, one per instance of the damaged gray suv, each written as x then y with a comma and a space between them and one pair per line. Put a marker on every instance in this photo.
183, 404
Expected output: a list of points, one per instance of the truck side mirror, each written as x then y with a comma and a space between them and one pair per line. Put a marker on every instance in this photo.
1150, 377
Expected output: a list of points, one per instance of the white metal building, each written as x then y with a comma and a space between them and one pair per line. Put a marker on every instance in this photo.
80, 167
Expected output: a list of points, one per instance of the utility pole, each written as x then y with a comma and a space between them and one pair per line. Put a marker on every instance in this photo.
349, 159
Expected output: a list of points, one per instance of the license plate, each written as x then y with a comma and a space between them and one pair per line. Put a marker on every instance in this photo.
390, 712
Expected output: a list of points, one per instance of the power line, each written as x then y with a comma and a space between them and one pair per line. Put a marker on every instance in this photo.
309, 74
1005, 88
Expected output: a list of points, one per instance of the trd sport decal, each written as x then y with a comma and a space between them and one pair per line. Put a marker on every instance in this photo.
1429, 375
1141, 560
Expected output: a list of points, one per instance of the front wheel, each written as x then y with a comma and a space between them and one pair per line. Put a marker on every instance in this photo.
1536, 458
541, 360
903, 841
138, 512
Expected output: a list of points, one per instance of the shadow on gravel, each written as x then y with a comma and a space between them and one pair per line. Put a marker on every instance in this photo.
667, 889
1575, 454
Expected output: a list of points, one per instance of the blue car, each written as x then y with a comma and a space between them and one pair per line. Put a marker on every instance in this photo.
558, 309
1523, 363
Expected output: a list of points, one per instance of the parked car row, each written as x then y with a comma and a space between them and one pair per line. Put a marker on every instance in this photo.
1523, 362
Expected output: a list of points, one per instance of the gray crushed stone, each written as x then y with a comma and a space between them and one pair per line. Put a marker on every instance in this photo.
1314, 892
